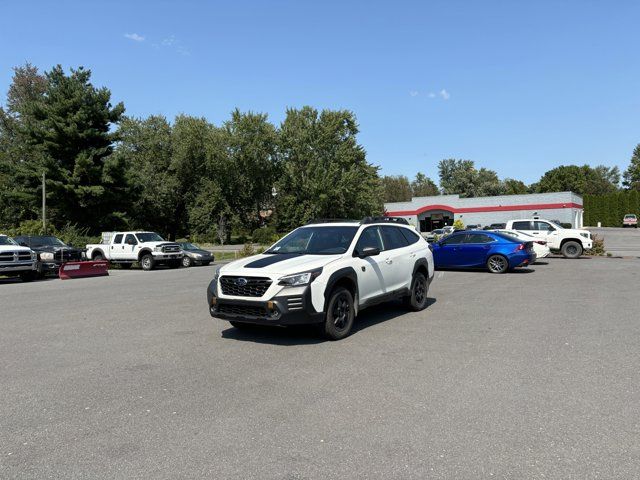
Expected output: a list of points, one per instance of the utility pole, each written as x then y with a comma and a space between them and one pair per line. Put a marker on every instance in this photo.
44, 205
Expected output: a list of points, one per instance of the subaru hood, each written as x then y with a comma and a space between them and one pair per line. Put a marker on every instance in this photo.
277, 264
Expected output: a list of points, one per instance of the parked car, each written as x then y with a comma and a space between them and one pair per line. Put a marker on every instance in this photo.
539, 246
16, 260
494, 251
194, 255
448, 229
630, 220
495, 226
473, 227
52, 252
126, 248
325, 274
570, 242
434, 235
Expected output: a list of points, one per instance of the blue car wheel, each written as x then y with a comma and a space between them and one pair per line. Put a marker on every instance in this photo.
497, 264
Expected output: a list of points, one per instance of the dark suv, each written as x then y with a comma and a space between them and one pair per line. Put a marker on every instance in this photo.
52, 251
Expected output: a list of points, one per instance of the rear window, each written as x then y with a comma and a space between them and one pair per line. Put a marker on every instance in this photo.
117, 238
522, 226
411, 236
393, 238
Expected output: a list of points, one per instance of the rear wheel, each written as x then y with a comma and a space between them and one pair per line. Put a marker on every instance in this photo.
147, 262
571, 249
186, 262
419, 288
497, 264
97, 256
340, 314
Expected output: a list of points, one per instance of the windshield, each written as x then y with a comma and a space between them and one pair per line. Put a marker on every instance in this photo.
149, 237
630, 216
190, 246
7, 241
316, 241
555, 224
47, 242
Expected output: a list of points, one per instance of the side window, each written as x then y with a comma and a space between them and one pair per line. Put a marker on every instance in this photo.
543, 226
411, 236
478, 238
522, 226
369, 238
454, 239
130, 239
392, 238
117, 238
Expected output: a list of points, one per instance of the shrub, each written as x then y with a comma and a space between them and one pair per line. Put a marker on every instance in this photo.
598, 247
247, 250
264, 235
458, 225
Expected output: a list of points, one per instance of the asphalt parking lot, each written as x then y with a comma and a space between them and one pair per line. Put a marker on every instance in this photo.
532, 374
624, 242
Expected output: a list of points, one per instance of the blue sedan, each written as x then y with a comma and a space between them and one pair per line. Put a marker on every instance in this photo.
491, 250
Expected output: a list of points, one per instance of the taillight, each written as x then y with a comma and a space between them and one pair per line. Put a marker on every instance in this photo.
520, 247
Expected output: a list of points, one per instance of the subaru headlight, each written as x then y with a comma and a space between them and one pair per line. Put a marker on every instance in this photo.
299, 279
46, 256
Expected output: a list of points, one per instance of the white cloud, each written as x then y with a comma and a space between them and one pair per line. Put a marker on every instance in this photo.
413, 93
134, 36
167, 42
432, 95
444, 94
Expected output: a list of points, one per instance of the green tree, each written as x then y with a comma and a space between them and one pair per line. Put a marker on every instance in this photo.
423, 186
461, 177
514, 187
632, 173
65, 131
582, 180
396, 188
324, 170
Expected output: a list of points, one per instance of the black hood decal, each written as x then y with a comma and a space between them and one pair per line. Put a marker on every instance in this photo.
271, 259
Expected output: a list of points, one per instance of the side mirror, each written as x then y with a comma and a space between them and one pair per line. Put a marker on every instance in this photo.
369, 252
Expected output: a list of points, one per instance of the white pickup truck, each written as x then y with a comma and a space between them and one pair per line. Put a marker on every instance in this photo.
16, 260
569, 241
126, 248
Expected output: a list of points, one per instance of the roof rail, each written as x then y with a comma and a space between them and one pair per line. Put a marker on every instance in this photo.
330, 220
366, 220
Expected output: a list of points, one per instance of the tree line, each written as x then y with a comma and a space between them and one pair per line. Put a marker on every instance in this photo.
106, 171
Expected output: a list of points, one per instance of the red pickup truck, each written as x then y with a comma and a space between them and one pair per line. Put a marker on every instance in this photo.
630, 220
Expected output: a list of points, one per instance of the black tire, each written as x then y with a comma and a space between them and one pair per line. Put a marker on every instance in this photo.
571, 249
497, 264
27, 276
419, 290
186, 262
147, 262
340, 314
125, 266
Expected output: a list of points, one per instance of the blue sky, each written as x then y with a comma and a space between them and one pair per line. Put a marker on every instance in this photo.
518, 87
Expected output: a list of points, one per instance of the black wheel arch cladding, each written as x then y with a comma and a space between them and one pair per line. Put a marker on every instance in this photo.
344, 273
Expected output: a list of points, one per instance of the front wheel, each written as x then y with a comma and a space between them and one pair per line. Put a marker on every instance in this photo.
147, 262
419, 288
497, 264
571, 249
340, 314
186, 262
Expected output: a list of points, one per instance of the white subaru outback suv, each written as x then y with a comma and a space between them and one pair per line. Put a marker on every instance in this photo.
325, 273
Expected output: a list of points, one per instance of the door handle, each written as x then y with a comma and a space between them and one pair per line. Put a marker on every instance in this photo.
413, 255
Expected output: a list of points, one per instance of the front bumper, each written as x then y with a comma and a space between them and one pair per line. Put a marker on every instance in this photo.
17, 267
163, 257
294, 309
522, 259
